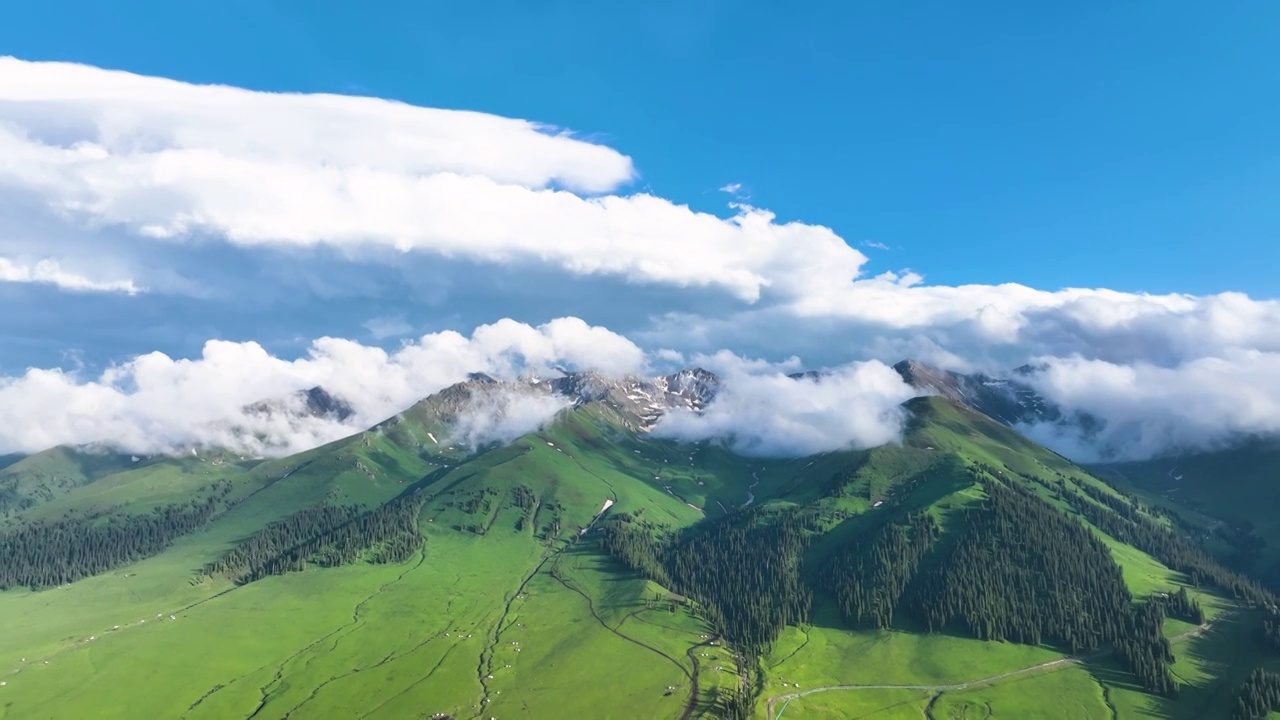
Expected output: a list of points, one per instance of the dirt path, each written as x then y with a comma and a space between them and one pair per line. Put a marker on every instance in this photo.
786, 699
484, 668
929, 688
693, 679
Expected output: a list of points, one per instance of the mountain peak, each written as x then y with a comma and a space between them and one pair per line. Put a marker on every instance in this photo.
1006, 399
321, 403
639, 400
314, 402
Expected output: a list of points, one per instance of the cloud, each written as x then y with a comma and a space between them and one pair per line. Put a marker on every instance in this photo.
385, 327
1147, 410
154, 403
503, 415
49, 272
174, 162
327, 211
874, 245
325, 197
763, 412
990, 326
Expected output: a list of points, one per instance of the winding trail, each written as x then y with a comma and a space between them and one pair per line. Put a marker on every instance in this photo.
484, 667
693, 679
751, 496
928, 688
939, 689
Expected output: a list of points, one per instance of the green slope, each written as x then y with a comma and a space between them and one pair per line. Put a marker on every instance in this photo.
29, 481
510, 609
1227, 491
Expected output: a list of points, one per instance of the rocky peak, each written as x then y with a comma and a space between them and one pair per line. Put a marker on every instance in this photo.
320, 403
313, 402
639, 400
1007, 399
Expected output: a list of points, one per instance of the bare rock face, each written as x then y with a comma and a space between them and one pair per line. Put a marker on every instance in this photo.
1007, 399
313, 402
638, 401
641, 401
1010, 399
320, 403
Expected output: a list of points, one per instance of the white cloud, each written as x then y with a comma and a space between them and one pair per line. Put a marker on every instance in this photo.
152, 158
386, 327
146, 175
155, 403
761, 411
874, 245
503, 415
50, 272
170, 160
1147, 410
124, 127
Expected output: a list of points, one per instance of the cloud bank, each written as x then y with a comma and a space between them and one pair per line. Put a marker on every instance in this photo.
158, 404
1148, 410
503, 416
172, 161
334, 216
762, 411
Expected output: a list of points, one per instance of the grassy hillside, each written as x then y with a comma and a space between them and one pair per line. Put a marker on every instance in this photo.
1226, 490
29, 481
515, 606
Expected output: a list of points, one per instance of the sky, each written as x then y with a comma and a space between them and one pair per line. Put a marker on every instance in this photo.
1089, 187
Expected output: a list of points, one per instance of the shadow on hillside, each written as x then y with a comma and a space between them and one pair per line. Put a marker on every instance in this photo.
1225, 655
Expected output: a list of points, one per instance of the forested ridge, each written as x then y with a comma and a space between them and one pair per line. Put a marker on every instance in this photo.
1172, 549
868, 576
1018, 570
1012, 567
744, 570
1022, 571
328, 536
48, 553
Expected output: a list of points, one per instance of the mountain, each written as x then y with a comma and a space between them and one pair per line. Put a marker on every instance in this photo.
1006, 399
586, 568
641, 401
312, 402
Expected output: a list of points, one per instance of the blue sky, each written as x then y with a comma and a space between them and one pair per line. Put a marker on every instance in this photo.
205, 204
1123, 145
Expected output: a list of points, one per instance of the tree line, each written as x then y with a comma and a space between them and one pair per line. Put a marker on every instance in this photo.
1011, 567
46, 554
743, 569
1024, 572
1173, 550
867, 577
1016, 569
1269, 630
326, 536
1258, 697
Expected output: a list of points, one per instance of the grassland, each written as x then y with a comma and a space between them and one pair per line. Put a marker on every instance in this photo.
381, 641
498, 617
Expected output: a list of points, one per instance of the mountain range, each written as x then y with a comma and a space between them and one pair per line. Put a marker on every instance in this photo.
469, 558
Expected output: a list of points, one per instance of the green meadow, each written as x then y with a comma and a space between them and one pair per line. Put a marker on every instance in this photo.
513, 610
